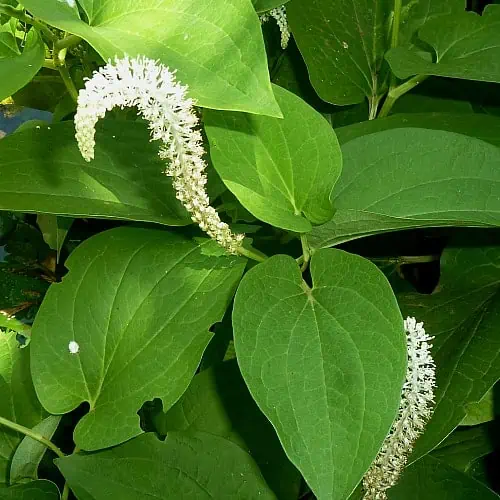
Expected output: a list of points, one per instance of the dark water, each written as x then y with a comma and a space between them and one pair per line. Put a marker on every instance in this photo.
12, 116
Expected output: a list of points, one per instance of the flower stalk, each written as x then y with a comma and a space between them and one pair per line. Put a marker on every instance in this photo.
163, 102
415, 410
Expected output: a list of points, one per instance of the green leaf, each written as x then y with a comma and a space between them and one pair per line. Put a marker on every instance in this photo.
466, 45
16, 70
415, 13
18, 401
325, 364
463, 315
29, 453
218, 402
216, 47
185, 466
484, 127
421, 103
431, 479
343, 44
158, 294
43, 171
266, 5
464, 446
390, 182
481, 411
54, 230
284, 173
39, 490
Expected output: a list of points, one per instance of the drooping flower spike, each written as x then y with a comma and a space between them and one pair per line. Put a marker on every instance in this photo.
415, 409
279, 14
163, 102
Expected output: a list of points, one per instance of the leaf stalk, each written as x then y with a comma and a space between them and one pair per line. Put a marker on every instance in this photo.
34, 435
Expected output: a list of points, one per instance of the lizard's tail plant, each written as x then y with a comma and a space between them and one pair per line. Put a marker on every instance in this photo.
163, 102
415, 409
279, 14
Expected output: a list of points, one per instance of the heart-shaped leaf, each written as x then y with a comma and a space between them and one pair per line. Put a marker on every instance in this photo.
466, 46
406, 178
194, 466
283, 174
216, 46
158, 294
18, 401
16, 70
325, 364
463, 314
43, 171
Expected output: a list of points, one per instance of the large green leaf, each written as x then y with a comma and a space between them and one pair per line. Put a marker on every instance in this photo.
343, 42
325, 364
282, 173
16, 70
431, 479
216, 46
218, 402
157, 295
463, 314
34, 490
29, 453
18, 401
407, 178
484, 127
466, 46
186, 466
43, 171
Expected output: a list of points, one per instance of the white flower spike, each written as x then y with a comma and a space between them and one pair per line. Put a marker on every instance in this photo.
163, 102
415, 410
73, 347
279, 14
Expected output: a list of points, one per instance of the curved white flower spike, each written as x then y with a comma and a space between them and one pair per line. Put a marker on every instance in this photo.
415, 410
163, 102
279, 14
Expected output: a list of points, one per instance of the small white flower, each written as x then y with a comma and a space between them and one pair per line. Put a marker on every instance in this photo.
163, 102
71, 3
415, 411
279, 14
73, 347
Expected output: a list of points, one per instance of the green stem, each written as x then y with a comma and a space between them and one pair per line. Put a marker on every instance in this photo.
396, 20
408, 259
396, 92
22, 16
65, 493
67, 42
28, 432
252, 253
59, 57
306, 252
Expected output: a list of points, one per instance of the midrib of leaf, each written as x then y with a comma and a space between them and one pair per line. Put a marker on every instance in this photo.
153, 288
363, 388
458, 40
153, 338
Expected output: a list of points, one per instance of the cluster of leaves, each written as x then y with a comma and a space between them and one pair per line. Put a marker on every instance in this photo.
380, 117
